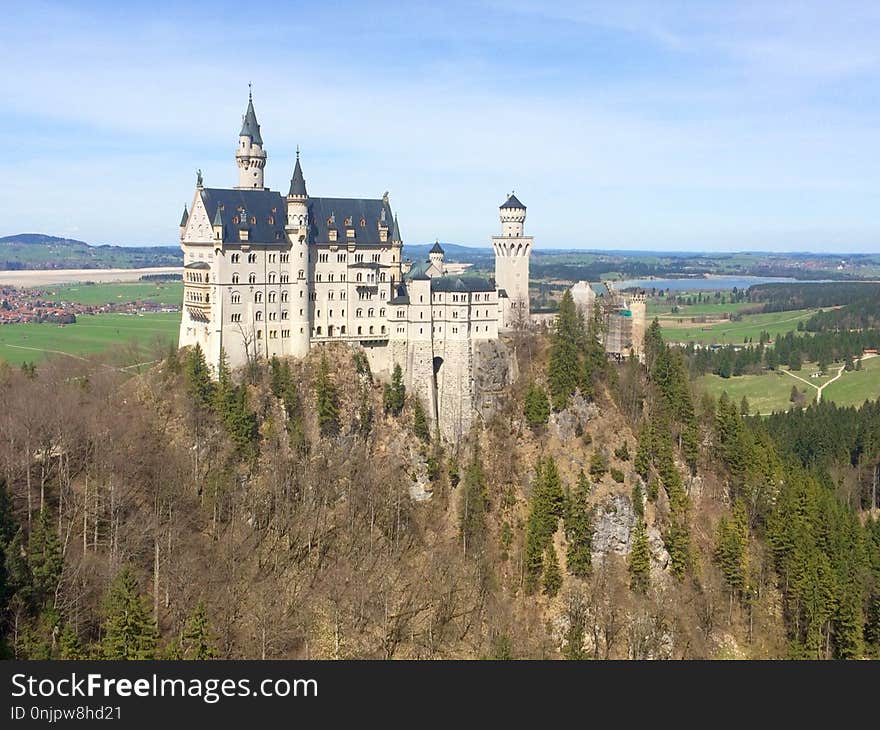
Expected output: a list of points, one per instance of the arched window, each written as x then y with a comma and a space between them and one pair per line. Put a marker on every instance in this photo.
359, 313
284, 295
252, 278
235, 297
359, 277
342, 330
382, 276
383, 329
272, 278
371, 329
360, 330
371, 312
258, 315
235, 278
271, 296
258, 297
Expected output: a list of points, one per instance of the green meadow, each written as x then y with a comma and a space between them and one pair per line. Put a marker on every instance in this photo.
161, 292
91, 334
735, 333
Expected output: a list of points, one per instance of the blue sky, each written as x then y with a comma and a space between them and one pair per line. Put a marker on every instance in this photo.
675, 125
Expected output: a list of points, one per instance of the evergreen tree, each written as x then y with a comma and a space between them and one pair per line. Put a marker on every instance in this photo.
365, 414
198, 377
44, 560
642, 462
197, 641
420, 421
731, 550
394, 395
552, 580
579, 529
69, 646
639, 563
622, 451
473, 506
128, 629
547, 505
536, 407
598, 467
328, 406
564, 369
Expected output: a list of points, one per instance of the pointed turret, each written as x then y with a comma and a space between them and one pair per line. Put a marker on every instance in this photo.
185, 217
249, 126
218, 218
395, 232
250, 155
298, 182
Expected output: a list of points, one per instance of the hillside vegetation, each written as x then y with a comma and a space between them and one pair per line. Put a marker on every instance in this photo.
39, 251
304, 509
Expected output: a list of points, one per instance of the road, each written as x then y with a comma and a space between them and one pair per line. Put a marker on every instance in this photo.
819, 388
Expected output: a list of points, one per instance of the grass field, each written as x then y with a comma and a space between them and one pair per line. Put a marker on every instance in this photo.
770, 391
91, 334
703, 309
766, 393
734, 333
855, 387
162, 292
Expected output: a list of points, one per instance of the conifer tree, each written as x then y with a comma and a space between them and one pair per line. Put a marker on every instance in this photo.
579, 529
473, 506
564, 369
394, 395
328, 407
44, 560
536, 407
69, 646
552, 580
639, 562
198, 377
365, 414
197, 641
420, 421
598, 467
128, 629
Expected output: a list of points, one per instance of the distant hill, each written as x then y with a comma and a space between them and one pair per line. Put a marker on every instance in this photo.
40, 251
453, 251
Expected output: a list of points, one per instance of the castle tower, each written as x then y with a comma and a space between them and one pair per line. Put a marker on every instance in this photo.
637, 308
436, 256
298, 232
250, 155
512, 250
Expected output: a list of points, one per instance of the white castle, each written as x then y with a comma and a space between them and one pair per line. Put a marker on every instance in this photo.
266, 274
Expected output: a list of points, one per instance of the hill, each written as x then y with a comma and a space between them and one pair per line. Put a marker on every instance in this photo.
453, 251
40, 251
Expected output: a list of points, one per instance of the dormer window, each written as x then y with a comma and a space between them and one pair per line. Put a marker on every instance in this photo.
363, 222
235, 220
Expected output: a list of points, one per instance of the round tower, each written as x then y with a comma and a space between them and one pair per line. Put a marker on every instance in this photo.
512, 251
250, 155
298, 233
436, 256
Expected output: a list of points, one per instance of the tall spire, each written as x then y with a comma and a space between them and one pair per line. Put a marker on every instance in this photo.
395, 232
218, 218
298, 182
185, 217
249, 126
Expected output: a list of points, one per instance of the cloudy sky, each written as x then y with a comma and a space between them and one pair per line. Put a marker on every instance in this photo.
676, 125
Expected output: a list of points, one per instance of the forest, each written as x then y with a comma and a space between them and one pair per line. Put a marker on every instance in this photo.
306, 509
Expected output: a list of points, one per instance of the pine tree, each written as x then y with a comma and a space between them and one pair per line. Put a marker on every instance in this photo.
128, 629
598, 467
552, 580
328, 408
420, 421
579, 529
197, 641
69, 646
731, 550
547, 505
394, 395
639, 563
473, 506
365, 414
564, 369
44, 560
198, 377
642, 462
536, 407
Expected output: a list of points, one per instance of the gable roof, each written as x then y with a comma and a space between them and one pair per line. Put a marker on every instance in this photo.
461, 284
327, 213
259, 206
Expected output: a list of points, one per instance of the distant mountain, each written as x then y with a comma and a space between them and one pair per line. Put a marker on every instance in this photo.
40, 251
453, 251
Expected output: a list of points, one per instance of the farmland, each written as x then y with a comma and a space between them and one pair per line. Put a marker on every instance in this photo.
162, 292
733, 333
90, 335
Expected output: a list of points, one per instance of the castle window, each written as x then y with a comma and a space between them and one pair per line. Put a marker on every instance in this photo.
252, 278
382, 276
285, 257
258, 297
271, 278
330, 277
258, 315
285, 333
284, 296
284, 278
235, 257
371, 329
271, 222
252, 258
235, 278
259, 334
360, 330
236, 317
340, 258
342, 330
377, 257
236, 297
301, 274
284, 314
370, 312
358, 258
318, 330
330, 295
363, 222
383, 329
342, 277
323, 257
317, 277
381, 312
359, 313
271, 258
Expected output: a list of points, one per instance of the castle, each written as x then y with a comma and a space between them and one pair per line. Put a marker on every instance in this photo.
266, 274
622, 315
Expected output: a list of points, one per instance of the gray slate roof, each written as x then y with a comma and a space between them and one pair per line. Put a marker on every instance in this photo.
260, 205
436, 248
185, 217
513, 202
340, 209
297, 182
249, 126
461, 284
224, 204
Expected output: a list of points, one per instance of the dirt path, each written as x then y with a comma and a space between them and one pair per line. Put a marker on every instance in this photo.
819, 388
